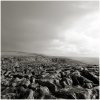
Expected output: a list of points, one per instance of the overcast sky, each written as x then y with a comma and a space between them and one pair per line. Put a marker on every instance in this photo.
65, 28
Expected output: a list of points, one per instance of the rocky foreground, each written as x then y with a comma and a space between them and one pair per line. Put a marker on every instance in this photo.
40, 77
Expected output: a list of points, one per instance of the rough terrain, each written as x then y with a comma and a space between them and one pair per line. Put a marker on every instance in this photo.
44, 77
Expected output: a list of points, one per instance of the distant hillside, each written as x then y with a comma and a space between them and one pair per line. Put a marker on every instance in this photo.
33, 57
88, 60
17, 53
13, 53
44, 58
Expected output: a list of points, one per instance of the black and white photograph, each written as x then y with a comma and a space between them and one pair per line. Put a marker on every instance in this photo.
50, 49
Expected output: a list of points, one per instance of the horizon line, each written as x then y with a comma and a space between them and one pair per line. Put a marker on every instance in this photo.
48, 54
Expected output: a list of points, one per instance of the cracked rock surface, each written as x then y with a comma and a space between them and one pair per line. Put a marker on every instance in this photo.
44, 77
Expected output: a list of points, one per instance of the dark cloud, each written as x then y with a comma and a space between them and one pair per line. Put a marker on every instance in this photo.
31, 26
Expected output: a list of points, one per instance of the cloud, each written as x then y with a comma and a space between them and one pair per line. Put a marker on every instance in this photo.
55, 28
82, 39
